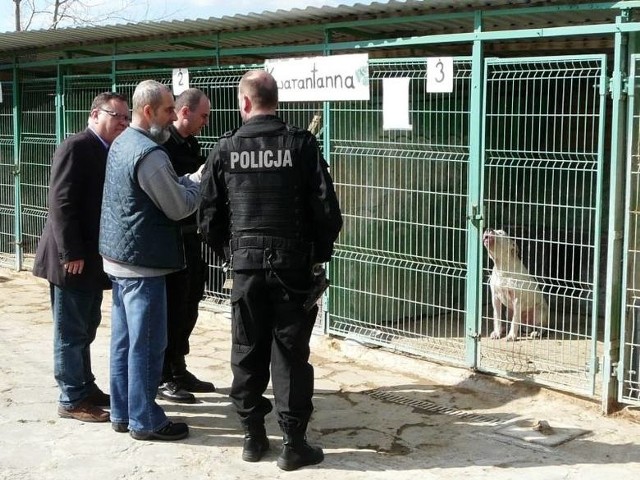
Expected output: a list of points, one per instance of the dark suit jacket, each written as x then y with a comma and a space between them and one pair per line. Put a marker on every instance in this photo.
73, 221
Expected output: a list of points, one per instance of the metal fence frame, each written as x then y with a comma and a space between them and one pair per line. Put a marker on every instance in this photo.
39, 111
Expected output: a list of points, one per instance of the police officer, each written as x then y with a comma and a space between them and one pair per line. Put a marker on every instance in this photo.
185, 288
269, 206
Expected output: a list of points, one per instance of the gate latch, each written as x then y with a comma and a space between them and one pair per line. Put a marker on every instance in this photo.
614, 369
475, 214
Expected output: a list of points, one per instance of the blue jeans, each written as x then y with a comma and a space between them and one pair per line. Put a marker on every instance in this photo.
138, 341
76, 316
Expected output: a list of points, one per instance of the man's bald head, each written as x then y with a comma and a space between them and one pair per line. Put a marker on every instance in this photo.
261, 89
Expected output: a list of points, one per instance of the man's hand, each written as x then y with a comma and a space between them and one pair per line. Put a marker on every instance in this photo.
74, 267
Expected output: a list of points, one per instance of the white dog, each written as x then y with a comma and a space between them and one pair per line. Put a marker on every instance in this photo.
513, 286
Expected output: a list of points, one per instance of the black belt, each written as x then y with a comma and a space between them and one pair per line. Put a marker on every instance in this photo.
266, 242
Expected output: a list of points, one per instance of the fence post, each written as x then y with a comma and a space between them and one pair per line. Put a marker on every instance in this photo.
474, 214
17, 128
616, 224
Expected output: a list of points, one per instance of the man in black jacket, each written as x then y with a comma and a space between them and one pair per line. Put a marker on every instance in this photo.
268, 204
185, 288
67, 255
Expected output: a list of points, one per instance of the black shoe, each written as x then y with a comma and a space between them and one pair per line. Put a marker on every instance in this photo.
296, 453
189, 382
99, 398
120, 427
172, 431
172, 392
255, 446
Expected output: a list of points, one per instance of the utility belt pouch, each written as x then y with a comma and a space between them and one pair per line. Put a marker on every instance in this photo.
228, 273
319, 285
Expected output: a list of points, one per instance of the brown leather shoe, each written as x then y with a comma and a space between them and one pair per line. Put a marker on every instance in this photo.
85, 412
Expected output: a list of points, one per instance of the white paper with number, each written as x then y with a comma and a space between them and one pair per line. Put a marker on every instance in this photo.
440, 74
180, 80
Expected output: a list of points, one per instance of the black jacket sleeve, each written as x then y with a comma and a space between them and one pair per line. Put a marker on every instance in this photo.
213, 211
322, 201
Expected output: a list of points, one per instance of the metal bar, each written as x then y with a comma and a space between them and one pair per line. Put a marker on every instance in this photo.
627, 257
326, 148
616, 225
59, 106
474, 206
16, 161
597, 235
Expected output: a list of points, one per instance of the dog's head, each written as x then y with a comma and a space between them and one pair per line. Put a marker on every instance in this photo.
499, 245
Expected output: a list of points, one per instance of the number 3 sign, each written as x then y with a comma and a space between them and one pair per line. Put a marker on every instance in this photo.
440, 74
180, 80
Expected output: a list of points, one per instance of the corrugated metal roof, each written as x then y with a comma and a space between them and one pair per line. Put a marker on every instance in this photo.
273, 28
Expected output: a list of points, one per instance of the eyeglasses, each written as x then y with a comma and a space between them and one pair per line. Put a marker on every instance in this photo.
116, 115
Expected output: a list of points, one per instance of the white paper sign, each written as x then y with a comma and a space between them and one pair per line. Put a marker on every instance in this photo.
180, 80
440, 74
395, 104
337, 77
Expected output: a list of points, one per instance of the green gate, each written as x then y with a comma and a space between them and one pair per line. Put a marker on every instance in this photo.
629, 364
38, 141
8, 175
542, 167
400, 273
399, 270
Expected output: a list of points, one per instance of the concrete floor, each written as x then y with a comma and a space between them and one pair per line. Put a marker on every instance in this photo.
378, 415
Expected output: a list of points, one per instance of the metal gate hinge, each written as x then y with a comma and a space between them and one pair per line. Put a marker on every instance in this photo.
624, 84
614, 369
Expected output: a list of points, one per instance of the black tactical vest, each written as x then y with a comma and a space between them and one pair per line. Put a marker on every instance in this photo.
266, 188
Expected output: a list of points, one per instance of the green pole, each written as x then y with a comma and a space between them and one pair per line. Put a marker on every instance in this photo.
16, 170
616, 224
474, 213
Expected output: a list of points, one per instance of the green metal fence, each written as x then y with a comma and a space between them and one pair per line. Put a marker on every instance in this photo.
38, 140
7, 179
400, 266
543, 164
629, 365
401, 272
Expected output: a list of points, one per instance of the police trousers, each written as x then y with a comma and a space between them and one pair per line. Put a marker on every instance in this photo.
270, 328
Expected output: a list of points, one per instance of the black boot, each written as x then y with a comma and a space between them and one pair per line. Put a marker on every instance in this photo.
187, 380
256, 443
296, 453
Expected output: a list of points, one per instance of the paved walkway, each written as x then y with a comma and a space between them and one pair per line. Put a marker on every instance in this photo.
378, 416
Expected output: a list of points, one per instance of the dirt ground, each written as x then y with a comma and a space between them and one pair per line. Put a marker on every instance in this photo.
378, 415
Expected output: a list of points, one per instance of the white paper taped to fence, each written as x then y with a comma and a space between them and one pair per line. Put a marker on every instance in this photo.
180, 80
440, 74
310, 79
395, 104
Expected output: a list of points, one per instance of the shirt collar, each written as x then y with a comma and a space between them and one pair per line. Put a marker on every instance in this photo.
176, 135
102, 140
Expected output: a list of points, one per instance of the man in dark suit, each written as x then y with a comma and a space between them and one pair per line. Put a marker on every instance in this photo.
67, 255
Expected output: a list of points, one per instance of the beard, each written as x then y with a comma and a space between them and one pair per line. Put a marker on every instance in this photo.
159, 133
